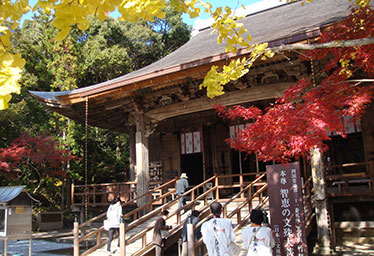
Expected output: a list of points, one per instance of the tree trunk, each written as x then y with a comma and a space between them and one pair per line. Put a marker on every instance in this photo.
322, 218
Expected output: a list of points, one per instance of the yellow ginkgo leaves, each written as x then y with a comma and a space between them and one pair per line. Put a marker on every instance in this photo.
10, 64
229, 29
10, 71
215, 79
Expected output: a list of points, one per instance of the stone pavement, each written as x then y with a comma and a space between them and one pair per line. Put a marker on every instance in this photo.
60, 243
39, 248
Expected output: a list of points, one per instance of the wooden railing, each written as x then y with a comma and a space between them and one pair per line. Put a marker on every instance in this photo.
134, 215
103, 194
350, 182
249, 191
257, 189
195, 199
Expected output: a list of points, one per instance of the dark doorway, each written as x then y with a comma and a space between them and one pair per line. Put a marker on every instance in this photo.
192, 164
249, 164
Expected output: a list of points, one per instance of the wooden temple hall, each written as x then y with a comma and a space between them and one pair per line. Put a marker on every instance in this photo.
173, 127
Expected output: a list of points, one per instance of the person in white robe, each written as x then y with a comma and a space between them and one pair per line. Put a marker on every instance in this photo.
217, 232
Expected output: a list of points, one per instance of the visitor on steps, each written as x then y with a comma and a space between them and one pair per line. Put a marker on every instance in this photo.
217, 232
113, 214
258, 239
181, 186
160, 233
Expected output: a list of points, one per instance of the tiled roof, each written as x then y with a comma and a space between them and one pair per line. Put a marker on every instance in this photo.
273, 25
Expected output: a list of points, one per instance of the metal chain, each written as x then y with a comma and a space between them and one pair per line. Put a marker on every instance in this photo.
85, 164
313, 74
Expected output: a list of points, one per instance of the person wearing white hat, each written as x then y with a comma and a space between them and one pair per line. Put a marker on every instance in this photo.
181, 187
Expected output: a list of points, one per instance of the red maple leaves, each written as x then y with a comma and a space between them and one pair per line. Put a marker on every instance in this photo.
41, 153
302, 118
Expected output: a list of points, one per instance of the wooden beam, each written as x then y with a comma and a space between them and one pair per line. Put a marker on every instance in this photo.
229, 98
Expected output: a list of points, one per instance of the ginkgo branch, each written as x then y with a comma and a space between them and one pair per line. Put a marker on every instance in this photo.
332, 44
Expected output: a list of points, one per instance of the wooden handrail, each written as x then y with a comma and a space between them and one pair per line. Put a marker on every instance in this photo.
131, 202
176, 212
127, 215
245, 189
246, 192
150, 214
94, 190
241, 219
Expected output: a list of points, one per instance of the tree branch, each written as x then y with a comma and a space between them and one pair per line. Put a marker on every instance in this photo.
332, 44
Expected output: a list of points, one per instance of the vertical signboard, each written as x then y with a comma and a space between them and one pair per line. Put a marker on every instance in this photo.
286, 209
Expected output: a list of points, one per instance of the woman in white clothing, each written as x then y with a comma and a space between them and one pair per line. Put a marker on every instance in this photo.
257, 239
113, 215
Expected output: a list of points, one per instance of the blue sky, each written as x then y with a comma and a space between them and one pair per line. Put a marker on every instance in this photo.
256, 5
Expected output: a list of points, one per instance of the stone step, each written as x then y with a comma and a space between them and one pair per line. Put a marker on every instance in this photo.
349, 240
359, 232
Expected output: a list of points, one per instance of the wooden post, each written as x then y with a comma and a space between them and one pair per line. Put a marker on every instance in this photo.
323, 241
203, 152
241, 184
30, 246
190, 238
250, 199
142, 161
150, 202
76, 236
5, 245
193, 199
122, 237
72, 193
216, 184
132, 154
98, 238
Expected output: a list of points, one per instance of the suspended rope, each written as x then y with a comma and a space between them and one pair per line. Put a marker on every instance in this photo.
313, 75
85, 164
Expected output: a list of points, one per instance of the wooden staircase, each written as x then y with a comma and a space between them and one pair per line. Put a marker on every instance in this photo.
355, 234
139, 232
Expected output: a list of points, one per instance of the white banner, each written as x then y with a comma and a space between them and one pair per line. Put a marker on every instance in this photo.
191, 143
183, 144
196, 142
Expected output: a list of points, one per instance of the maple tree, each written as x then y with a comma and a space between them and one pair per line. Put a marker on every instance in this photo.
308, 110
34, 161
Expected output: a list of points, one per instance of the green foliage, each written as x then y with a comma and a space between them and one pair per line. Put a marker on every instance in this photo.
106, 50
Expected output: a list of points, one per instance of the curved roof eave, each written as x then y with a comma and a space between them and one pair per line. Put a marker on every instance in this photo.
289, 23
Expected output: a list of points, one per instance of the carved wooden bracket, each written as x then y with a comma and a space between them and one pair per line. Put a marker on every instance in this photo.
149, 124
150, 127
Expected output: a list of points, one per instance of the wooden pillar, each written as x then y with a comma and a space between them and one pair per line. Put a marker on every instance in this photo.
323, 240
122, 237
132, 153
368, 138
190, 238
142, 161
76, 237
5, 246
